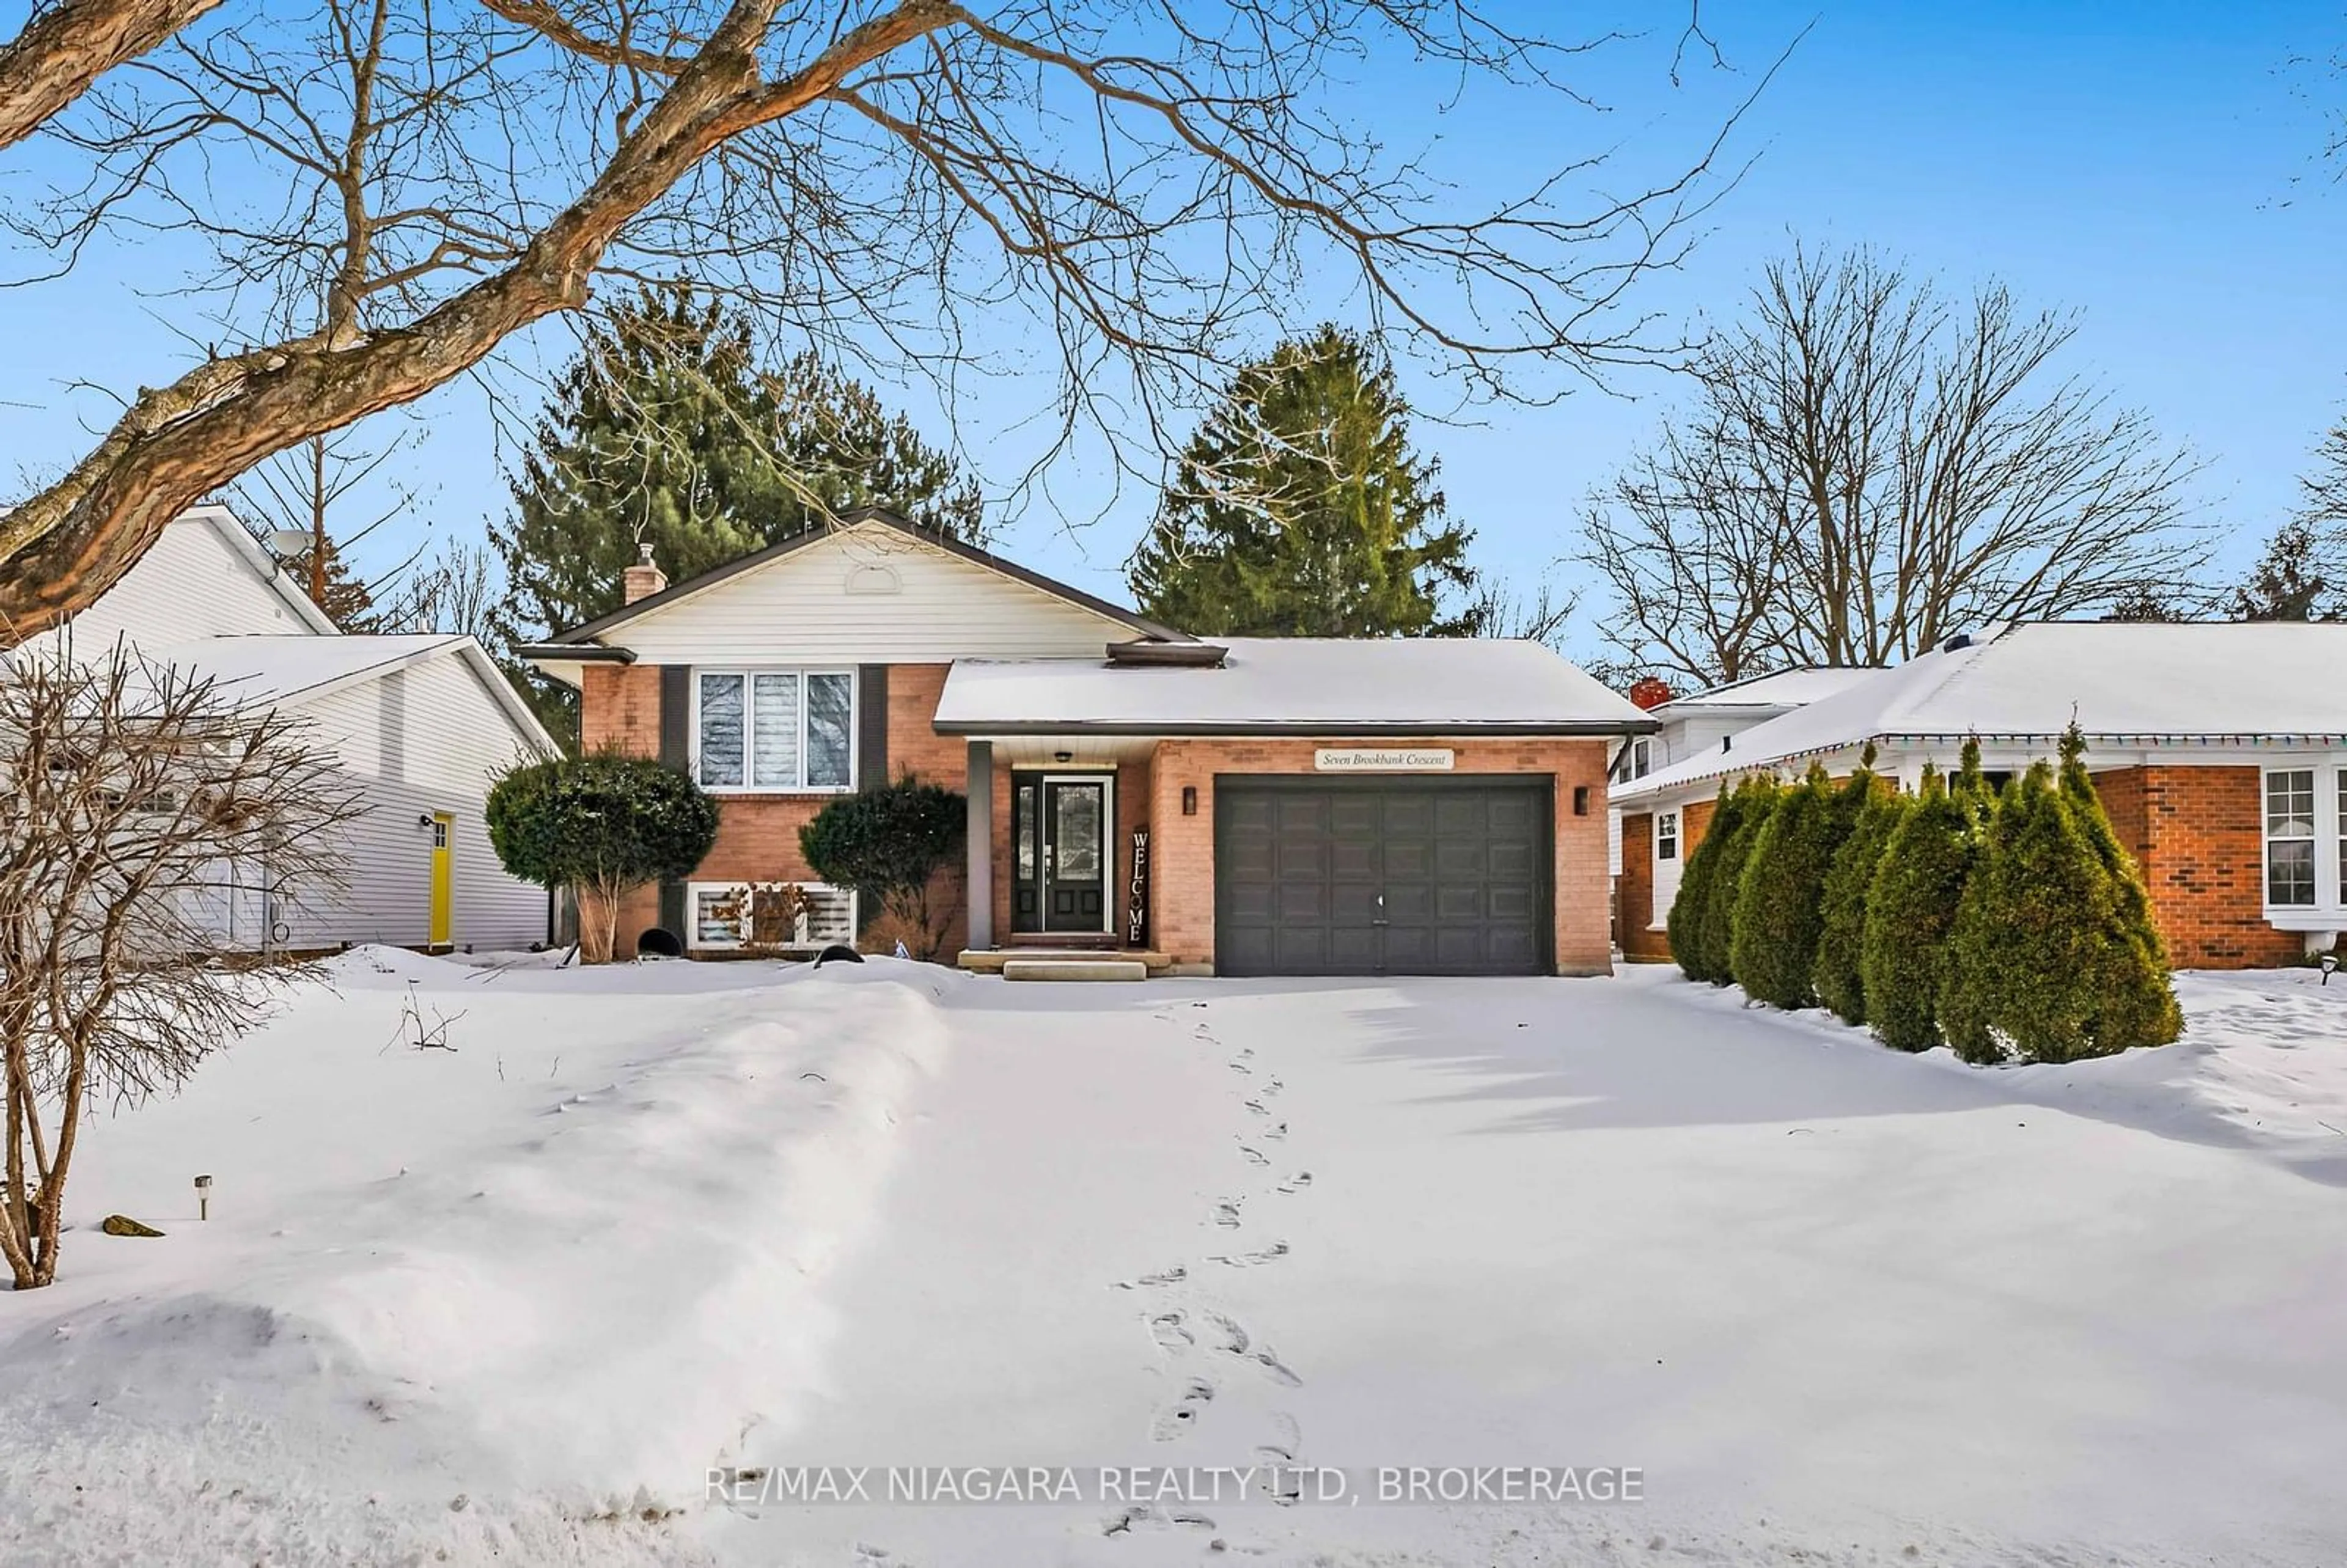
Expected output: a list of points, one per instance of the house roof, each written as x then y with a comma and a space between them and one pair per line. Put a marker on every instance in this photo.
279, 668
2131, 683
1778, 689
602, 626
264, 565
1295, 685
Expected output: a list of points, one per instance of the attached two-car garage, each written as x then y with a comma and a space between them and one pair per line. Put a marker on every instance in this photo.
1386, 875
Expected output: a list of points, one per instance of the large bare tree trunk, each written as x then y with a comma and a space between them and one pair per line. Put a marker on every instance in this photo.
67, 48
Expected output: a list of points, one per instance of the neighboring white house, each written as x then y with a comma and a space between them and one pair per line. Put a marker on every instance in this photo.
422, 724
1701, 722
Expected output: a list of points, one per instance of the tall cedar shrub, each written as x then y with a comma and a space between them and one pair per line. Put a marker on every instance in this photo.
1755, 801
2137, 1003
603, 823
1780, 897
1686, 920
1839, 978
1911, 907
2027, 952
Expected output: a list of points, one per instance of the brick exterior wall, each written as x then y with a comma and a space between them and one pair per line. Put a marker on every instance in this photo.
1182, 886
758, 834
2198, 835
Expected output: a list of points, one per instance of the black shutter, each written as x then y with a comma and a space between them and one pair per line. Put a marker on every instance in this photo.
675, 752
872, 725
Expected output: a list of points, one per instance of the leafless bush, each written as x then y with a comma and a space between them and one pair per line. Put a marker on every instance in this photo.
126, 790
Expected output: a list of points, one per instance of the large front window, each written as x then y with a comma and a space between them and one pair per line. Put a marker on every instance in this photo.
774, 729
2290, 837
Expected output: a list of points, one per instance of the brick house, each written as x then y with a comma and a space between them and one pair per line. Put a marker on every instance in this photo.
2219, 750
1246, 805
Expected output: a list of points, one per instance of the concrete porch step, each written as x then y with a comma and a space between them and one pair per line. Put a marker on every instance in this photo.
994, 960
1068, 967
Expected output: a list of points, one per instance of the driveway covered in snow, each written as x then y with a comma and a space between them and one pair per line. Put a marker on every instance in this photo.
1829, 1303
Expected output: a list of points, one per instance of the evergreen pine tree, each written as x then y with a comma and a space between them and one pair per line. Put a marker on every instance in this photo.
1755, 801
1839, 978
1780, 897
1694, 896
1299, 509
1909, 909
666, 430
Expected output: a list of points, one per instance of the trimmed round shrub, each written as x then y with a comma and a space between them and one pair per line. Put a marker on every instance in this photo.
1911, 907
1780, 897
604, 824
1840, 980
891, 842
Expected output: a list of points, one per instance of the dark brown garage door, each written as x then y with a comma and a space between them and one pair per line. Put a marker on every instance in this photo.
1382, 876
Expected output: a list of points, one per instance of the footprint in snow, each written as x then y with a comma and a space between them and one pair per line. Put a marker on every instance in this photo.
1260, 1109
1183, 1414
1174, 1276
1278, 1131
1226, 1214
1171, 1332
1236, 1066
1296, 1183
1272, 1086
1235, 1342
1254, 1156
1271, 1253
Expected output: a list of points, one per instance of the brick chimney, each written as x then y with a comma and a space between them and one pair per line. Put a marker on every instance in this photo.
1650, 692
643, 580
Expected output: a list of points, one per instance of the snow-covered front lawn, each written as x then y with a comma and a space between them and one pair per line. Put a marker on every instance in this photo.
1827, 1304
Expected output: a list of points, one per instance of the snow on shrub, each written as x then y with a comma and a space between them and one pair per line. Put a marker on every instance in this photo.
603, 823
1909, 906
1838, 978
1779, 912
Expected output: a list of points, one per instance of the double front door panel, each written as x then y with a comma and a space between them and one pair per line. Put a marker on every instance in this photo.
1059, 826
1370, 877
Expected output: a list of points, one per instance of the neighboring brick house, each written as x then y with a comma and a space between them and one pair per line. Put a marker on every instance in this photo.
2219, 750
1251, 806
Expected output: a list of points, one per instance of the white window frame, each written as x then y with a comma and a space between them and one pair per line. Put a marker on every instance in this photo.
694, 891
747, 673
1642, 754
1664, 872
2329, 839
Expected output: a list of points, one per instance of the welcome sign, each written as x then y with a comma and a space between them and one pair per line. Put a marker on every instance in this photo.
1382, 760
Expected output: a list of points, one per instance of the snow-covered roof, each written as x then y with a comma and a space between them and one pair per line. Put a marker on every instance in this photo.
1294, 685
2132, 682
1779, 689
279, 668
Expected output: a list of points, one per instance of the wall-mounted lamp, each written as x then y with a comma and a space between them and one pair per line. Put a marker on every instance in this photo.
1063, 757
1189, 800
1580, 800
424, 820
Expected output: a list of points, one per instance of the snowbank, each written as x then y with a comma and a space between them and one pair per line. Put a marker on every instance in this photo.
494, 1300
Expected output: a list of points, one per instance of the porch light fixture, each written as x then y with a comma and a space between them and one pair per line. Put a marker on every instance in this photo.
1063, 757
1189, 800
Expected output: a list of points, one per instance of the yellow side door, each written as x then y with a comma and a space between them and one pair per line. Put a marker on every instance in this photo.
444, 856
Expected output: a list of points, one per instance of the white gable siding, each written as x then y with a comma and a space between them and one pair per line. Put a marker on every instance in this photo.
800, 609
192, 583
428, 738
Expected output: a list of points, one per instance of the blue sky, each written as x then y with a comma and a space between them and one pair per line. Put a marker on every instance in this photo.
2153, 165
